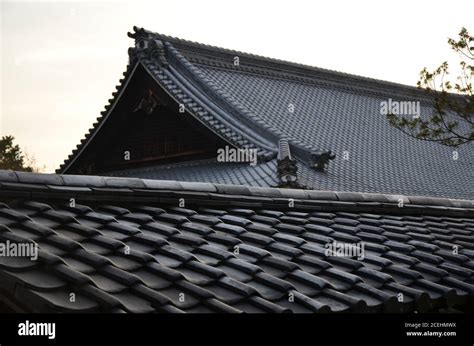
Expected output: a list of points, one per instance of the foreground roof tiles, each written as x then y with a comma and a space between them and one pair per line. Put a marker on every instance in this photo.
125, 245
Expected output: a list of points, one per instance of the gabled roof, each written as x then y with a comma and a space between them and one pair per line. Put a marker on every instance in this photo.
247, 104
126, 244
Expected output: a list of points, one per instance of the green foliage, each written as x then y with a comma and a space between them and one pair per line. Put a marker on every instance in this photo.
453, 101
11, 156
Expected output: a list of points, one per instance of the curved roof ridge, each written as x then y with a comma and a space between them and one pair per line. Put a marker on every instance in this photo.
231, 105
238, 109
282, 62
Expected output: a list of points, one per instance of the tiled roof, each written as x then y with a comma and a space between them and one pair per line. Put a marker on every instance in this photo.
247, 105
263, 174
126, 245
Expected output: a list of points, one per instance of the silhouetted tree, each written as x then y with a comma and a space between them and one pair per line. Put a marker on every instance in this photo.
452, 120
11, 156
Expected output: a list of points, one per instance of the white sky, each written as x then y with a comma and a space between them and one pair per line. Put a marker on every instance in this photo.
60, 61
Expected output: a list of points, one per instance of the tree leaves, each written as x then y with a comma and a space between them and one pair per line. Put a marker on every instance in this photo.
453, 102
11, 156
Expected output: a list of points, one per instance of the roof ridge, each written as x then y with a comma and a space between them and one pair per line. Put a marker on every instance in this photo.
12, 181
141, 31
248, 117
219, 96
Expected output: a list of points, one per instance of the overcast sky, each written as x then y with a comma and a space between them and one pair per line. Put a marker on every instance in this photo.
61, 60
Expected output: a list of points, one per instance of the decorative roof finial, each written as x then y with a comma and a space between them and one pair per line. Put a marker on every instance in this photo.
319, 160
286, 166
157, 49
147, 41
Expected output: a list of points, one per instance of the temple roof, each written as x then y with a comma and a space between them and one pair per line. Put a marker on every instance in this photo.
253, 102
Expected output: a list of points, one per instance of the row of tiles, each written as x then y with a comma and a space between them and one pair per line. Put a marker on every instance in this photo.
203, 251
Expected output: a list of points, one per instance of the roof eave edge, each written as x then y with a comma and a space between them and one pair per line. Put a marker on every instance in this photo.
120, 183
109, 109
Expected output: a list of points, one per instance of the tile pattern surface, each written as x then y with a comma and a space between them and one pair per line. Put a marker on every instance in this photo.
332, 111
248, 105
228, 252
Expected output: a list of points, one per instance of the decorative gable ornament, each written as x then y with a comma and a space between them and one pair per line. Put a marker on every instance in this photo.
286, 166
319, 160
148, 102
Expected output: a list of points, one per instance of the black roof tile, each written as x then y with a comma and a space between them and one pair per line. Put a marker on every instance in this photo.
225, 240
121, 276
105, 300
172, 218
224, 293
181, 256
107, 284
196, 228
255, 239
220, 307
288, 251
352, 304
232, 230
288, 239
153, 211
136, 218
131, 302
452, 282
78, 265
214, 252
420, 299
316, 238
60, 301
235, 220
284, 227
163, 271
70, 275
205, 269
403, 275
319, 229
125, 263
194, 277
313, 304
309, 279
265, 219
155, 298
235, 272
96, 248
346, 262
265, 291
267, 306
205, 219
284, 266
192, 240
243, 266
238, 287
400, 247
426, 257
252, 251
320, 221
429, 271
